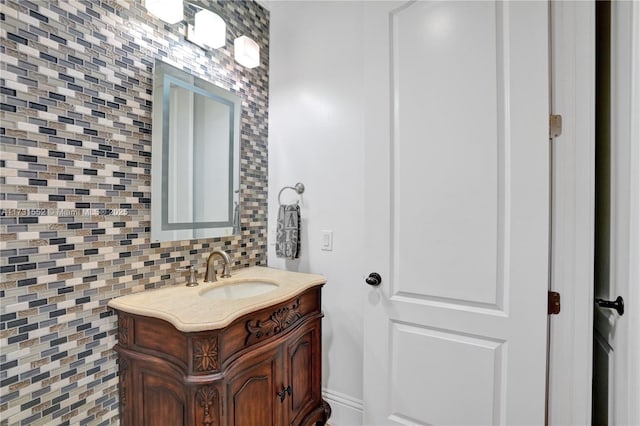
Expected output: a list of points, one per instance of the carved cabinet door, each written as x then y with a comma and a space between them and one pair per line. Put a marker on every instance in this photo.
160, 398
303, 359
252, 394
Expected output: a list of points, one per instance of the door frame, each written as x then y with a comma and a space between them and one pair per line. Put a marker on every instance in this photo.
625, 212
634, 212
572, 79
572, 26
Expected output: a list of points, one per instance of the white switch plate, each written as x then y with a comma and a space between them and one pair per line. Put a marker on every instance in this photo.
327, 240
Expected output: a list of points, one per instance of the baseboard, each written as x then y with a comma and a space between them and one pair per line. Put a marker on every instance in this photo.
345, 410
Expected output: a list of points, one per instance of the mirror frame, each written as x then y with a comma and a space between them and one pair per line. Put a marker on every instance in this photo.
164, 76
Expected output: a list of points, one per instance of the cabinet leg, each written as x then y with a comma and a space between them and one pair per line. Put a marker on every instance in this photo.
319, 416
326, 413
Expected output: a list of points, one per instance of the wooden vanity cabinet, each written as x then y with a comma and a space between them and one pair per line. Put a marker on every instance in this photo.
262, 369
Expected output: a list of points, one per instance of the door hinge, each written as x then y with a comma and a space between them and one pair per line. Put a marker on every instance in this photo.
555, 125
553, 303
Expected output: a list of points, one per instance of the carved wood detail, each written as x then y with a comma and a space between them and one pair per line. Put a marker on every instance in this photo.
205, 354
124, 372
208, 398
277, 322
124, 326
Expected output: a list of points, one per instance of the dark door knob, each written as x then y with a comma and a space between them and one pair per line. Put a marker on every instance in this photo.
617, 304
373, 279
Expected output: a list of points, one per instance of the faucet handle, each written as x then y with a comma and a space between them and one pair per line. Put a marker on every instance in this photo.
192, 275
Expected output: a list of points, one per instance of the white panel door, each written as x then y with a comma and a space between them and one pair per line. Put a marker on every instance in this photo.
457, 171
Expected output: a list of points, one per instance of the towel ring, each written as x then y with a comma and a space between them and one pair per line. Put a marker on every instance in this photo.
299, 188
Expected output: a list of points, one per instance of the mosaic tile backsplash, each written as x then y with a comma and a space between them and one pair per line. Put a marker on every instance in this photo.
76, 82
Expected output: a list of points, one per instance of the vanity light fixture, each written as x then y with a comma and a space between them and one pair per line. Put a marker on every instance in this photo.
208, 31
170, 11
246, 52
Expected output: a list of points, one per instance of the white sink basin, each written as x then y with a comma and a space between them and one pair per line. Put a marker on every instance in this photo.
239, 290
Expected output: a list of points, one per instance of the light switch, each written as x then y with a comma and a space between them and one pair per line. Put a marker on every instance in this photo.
327, 240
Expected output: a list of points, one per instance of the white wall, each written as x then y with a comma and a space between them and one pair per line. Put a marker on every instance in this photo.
316, 136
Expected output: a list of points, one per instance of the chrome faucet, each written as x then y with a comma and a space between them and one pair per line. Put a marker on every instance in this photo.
210, 274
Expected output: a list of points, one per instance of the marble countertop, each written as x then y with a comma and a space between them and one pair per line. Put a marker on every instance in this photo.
187, 310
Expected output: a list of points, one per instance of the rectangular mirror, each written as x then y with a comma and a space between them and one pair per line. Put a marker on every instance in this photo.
195, 162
